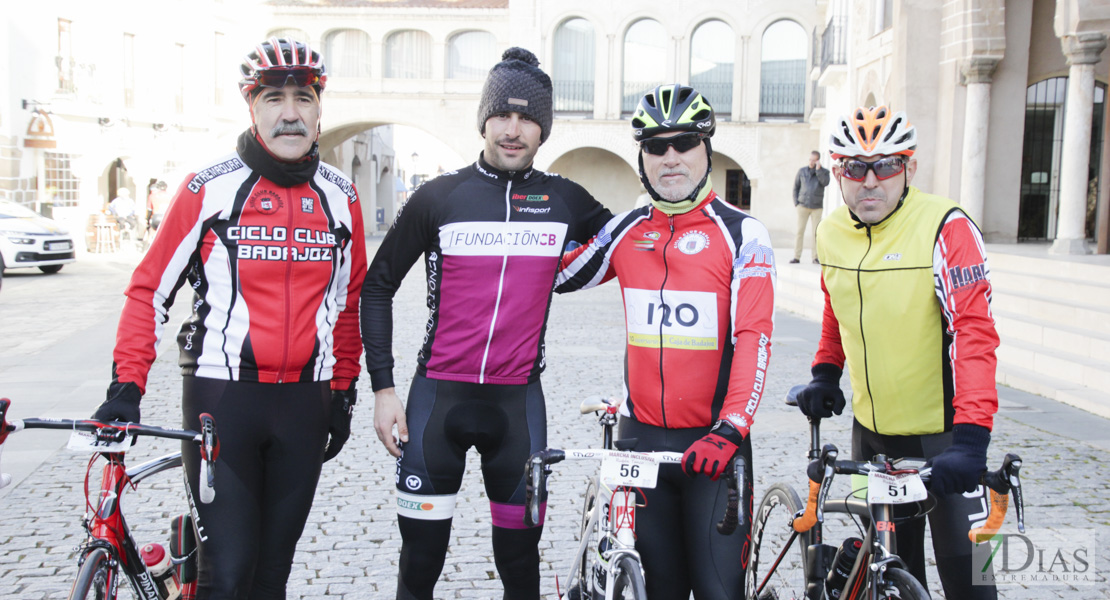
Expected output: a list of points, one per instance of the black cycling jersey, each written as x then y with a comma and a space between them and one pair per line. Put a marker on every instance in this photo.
687, 554
272, 439
950, 521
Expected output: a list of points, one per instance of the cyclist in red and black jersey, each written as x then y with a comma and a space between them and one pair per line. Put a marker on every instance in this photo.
698, 280
271, 242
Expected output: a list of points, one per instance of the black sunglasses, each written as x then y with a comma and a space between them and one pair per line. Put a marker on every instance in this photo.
683, 142
884, 168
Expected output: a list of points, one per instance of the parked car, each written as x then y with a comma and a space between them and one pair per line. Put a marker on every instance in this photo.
28, 239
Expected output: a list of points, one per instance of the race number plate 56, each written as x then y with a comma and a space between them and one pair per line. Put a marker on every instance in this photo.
895, 489
629, 469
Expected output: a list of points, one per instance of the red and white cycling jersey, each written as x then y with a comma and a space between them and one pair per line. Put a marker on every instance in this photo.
276, 273
699, 295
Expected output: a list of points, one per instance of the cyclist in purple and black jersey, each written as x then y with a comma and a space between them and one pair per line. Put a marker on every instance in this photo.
491, 236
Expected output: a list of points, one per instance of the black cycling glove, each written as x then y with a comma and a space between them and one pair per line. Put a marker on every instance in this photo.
121, 404
339, 428
823, 396
957, 469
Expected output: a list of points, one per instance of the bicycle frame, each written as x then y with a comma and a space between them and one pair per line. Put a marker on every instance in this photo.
108, 529
108, 532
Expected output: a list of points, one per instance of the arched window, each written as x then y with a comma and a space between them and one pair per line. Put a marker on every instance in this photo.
470, 55
645, 58
783, 72
573, 71
408, 55
1042, 148
712, 57
347, 53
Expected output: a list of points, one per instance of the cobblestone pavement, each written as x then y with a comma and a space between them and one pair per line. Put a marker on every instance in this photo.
350, 546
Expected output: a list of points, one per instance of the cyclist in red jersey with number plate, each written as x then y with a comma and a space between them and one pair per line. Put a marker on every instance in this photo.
698, 280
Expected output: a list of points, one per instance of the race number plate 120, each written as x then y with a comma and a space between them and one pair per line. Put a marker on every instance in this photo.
895, 489
633, 470
85, 441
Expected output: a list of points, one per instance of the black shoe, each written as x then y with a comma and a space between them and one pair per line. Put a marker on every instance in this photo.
794, 261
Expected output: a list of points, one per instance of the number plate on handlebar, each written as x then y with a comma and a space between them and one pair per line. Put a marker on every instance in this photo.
633, 470
87, 441
895, 489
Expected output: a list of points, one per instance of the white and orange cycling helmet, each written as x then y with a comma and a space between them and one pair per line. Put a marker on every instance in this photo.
873, 132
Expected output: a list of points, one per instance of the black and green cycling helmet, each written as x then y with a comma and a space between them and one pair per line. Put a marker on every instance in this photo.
672, 107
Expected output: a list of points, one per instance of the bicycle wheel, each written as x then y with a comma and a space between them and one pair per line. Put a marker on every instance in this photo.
771, 534
97, 577
579, 587
899, 584
629, 584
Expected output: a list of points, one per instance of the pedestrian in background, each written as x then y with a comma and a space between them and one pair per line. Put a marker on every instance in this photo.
809, 200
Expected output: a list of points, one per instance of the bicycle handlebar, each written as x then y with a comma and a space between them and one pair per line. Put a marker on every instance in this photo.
116, 431
539, 464
1000, 482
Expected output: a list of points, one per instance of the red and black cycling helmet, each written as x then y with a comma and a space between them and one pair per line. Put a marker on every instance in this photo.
275, 61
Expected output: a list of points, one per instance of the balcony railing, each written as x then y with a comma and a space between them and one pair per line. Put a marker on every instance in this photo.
632, 92
718, 93
574, 96
834, 43
782, 100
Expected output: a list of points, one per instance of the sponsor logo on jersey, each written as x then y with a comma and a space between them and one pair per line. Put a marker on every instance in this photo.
738, 421
307, 204
494, 238
893, 256
963, 277
653, 235
340, 181
692, 242
266, 202
644, 245
426, 508
532, 210
673, 319
755, 260
413, 482
213, 172
531, 197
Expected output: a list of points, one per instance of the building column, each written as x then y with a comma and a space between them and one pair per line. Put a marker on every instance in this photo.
977, 73
1082, 51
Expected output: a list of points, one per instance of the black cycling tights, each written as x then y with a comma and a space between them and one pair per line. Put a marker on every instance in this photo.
949, 522
676, 532
506, 423
272, 440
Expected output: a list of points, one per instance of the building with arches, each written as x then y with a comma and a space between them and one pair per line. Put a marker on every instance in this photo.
1008, 95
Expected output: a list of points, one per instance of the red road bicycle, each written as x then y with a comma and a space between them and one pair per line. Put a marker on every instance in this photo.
109, 549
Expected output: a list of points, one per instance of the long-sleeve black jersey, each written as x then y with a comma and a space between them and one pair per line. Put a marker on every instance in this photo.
492, 242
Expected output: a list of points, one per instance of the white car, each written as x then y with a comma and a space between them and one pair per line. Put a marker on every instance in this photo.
28, 239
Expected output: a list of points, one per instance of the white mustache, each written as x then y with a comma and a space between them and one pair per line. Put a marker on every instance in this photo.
289, 128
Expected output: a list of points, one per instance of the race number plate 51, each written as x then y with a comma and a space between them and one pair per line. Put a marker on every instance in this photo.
633, 470
895, 489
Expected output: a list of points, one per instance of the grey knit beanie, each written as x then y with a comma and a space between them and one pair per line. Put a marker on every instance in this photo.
516, 84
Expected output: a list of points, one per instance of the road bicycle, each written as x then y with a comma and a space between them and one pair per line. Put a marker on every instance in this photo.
109, 549
789, 558
606, 565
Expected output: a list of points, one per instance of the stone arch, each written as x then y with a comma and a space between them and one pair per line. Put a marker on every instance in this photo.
603, 173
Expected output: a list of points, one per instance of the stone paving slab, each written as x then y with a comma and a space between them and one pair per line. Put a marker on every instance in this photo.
351, 545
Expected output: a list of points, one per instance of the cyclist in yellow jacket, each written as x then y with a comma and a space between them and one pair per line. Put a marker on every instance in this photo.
907, 309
